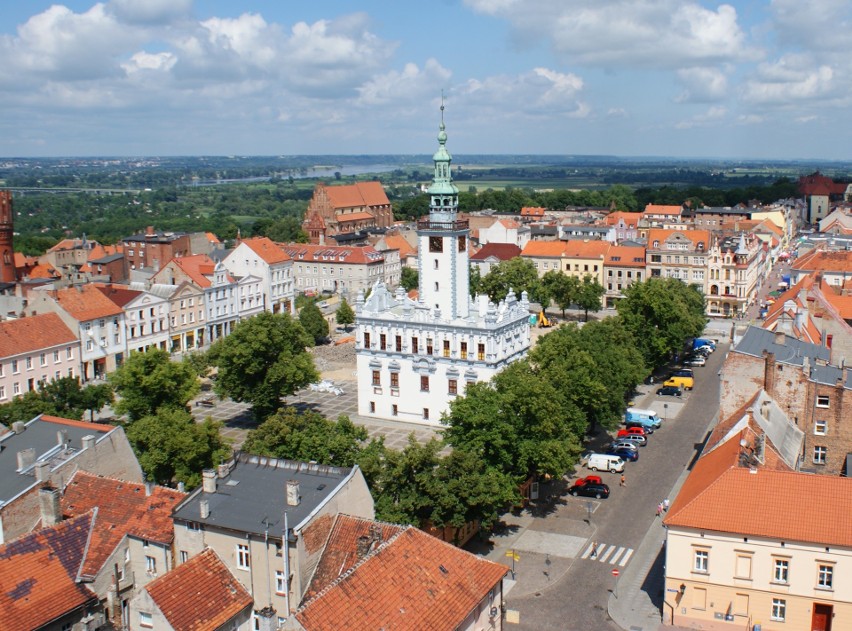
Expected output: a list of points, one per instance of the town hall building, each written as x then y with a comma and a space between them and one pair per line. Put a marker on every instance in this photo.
415, 356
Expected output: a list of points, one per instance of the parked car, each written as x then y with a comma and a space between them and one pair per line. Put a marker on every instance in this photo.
683, 372
636, 430
639, 440
680, 382
645, 425
669, 391
597, 490
625, 454
589, 479
623, 444
706, 348
698, 360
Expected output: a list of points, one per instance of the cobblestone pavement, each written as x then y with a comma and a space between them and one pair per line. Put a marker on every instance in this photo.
238, 420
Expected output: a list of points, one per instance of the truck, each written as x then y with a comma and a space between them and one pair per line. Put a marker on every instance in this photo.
642, 417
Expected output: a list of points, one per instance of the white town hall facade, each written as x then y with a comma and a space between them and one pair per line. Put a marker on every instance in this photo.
414, 357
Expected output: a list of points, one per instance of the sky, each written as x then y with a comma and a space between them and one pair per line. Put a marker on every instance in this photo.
748, 79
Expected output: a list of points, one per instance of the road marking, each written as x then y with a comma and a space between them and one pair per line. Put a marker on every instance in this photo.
606, 554
626, 558
610, 554
615, 556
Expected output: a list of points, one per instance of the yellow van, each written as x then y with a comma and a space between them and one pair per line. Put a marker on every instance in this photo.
680, 382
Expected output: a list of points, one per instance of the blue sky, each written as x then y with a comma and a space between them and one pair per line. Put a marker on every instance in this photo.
683, 78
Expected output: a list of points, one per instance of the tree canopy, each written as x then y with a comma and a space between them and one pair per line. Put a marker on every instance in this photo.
409, 278
518, 274
263, 359
345, 314
314, 323
589, 295
63, 397
148, 381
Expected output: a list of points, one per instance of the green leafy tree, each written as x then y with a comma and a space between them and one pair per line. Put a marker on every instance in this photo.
345, 314
409, 278
475, 277
407, 483
661, 314
63, 397
263, 359
518, 274
148, 381
172, 448
589, 295
562, 288
314, 323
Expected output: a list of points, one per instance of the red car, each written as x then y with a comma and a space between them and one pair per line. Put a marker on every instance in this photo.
630, 431
589, 479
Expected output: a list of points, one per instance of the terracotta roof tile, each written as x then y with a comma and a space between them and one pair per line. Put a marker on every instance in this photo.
625, 256
591, 249
630, 219
38, 575
398, 242
411, 582
824, 261
94, 427
361, 216
123, 508
357, 195
359, 255
842, 303
119, 294
658, 209
696, 236
544, 248
500, 251
266, 249
196, 267
32, 333
532, 211
43, 270
85, 303
199, 595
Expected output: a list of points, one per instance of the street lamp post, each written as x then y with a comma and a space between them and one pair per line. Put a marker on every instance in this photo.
665, 411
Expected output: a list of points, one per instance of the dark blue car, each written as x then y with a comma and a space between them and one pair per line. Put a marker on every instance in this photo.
625, 454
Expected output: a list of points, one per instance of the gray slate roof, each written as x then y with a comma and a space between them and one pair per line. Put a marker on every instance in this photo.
252, 498
792, 351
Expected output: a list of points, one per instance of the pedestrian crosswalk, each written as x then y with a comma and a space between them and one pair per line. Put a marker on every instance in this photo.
605, 553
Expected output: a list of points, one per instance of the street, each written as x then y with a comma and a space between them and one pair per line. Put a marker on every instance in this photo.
559, 585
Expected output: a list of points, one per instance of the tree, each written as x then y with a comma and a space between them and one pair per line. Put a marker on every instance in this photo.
518, 274
63, 397
561, 288
172, 448
475, 283
148, 381
263, 359
661, 314
409, 278
314, 323
589, 295
345, 314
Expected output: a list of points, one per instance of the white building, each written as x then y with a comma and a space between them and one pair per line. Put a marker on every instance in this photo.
414, 357
261, 257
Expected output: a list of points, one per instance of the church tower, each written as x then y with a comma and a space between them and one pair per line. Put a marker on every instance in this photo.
444, 272
7, 226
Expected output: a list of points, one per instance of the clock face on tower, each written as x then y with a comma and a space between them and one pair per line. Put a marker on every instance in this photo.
462, 243
436, 244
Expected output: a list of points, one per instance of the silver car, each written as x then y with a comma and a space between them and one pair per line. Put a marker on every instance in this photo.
634, 438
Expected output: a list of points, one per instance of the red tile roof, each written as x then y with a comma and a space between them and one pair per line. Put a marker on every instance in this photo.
411, 582
197, 268
629, 219
85, 302
696, 236
123, 508
841, 302
43, 270
544, 248
625, 256
532, 211
658, 209
119, 294
591, 249
360, 255
33, 333
361, 216
824, 261
94, 427
500, 251
199, 595
357, 195
399, 242
38, 575
266, 249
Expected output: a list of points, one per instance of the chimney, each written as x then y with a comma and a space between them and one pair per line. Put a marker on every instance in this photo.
293, 493
362, 546
769, 372
48, 499
223, 471
62, 437
780, 337
149, 488
181, 487
26, 458
149, 231
208, 481
88, 441
204, 509
42, 471
19, 427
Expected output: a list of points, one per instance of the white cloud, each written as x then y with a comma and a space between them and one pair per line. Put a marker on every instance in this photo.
790, 80
711, 115
410, 86
814, 25
150, 12
702, 85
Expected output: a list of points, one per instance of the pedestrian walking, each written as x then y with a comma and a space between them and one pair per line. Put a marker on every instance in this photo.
594, 554
666, 505
659, 509
623, 481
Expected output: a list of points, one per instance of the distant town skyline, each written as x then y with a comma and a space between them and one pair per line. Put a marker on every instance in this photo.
751, 79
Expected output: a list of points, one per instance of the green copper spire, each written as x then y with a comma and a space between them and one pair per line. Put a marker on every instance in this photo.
444, 193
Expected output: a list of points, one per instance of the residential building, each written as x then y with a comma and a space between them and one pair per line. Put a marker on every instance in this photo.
199, 594
585, 258
545, 255
96, 320
678, 254
38, 580
414, 357
734, 273
411, 580
112, 268
838, 222
35, 350
623, 266
131, 539
146, 317
532, 213
834, 266
625, 224
401, 241
263, 259
506, 231
47, 451
750, 542
152, 249
491, 254
819, 191
336, 269
267, 520
662, 216
346, 209
187, 315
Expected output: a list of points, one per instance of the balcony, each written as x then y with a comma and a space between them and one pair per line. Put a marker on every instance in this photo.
425, 223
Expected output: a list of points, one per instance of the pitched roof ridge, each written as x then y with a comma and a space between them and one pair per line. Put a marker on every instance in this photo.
676, 509
360, 562
85, 555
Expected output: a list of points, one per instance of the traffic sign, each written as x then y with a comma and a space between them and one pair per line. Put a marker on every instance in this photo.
615, 572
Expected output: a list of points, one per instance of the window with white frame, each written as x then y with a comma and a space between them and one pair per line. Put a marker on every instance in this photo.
825, 576
779, 610
823, 401
781, 571
150, 565
2, 392
820, 453
146, 620
184, 556
280, 582
820, 428
243, 558
701, 560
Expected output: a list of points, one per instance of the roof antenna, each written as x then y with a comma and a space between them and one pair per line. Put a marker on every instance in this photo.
442, 106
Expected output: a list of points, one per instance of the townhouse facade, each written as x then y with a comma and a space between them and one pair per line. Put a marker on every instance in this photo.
678, 254
146, 317
152, 249
734, 271
346, 209
340, 269
623, 266
262, 258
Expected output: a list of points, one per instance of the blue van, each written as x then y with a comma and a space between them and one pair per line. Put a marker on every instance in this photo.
643, 418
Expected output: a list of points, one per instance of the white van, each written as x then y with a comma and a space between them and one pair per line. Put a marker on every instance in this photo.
646, 417
605, 462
